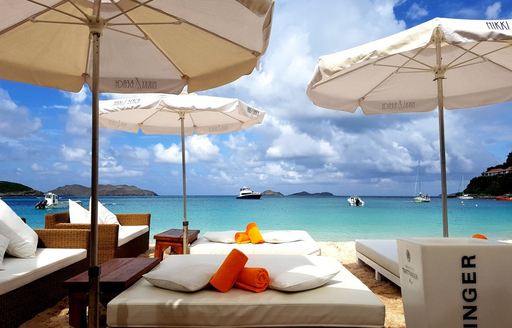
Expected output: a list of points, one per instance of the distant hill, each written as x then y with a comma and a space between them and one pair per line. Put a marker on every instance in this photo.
317, 194
77, 190
270, 193
495, 181
10, 189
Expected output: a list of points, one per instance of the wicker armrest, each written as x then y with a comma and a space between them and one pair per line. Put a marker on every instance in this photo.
63, 238
130, 219
51, 220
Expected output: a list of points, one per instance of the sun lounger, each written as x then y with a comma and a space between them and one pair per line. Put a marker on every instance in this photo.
382, 256
343, 302
306, 246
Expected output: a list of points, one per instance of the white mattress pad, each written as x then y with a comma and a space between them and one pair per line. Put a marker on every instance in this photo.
384, 252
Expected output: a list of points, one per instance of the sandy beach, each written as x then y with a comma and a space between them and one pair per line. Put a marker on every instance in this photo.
388, 293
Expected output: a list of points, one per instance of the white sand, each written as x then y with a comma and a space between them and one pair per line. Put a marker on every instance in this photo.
389, 294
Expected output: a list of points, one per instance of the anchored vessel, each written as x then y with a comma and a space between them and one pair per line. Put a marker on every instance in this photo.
355, 201
247, 193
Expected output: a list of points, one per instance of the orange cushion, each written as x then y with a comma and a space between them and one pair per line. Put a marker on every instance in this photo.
479, 236
225, 277
254, 233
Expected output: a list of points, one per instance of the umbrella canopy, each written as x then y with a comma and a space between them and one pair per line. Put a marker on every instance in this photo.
146, 46
443, 63
183, 115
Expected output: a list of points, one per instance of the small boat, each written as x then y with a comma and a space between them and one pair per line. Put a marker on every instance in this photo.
50, 200
507, 197
465, 196
422, 198
355, 201
247, 193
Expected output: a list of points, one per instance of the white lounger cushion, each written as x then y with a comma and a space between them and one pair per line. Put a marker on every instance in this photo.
22, 239
19, 272
306, 246
383, 252
289, 273
343, 302
4, 242
270, 236
128, 233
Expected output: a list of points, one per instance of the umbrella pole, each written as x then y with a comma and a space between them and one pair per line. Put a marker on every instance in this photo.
96, 28
439, 73
184, 179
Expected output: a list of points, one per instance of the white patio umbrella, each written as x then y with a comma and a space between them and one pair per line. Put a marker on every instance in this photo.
183, 115
146, 46
443, 63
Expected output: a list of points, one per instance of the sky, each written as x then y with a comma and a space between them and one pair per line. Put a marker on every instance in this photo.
45, 133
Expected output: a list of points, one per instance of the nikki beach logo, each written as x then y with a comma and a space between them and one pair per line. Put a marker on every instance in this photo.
495, 25
136, 83
398, 105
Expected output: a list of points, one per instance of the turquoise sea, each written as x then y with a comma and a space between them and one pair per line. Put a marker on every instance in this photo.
325, 218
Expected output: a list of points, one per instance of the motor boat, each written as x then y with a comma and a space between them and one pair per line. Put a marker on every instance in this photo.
422, 198
465, 196
507, 197
247, 193
50, 200
355, 201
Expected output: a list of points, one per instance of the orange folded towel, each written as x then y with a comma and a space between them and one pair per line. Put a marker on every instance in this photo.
479, 236
225, 277
253, 279
242, 238
254, 233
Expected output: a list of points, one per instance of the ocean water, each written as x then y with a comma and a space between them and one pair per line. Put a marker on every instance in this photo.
326, 218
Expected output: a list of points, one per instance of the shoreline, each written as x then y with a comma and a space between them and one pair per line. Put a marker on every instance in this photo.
343, 251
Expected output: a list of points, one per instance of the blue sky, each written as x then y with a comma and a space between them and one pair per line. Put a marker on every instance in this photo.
45, 133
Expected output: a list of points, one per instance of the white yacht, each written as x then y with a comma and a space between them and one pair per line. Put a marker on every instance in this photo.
355, 201
247, 193
465, 196
50, 200
422, 198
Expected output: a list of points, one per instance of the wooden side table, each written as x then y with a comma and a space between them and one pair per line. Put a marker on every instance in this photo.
172, 238
116, 275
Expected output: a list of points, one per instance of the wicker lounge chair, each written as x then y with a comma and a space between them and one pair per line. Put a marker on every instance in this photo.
129, 239
30, 285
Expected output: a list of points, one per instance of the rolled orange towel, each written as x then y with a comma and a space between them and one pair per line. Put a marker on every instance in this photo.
253, 279
479, 236
242, 238
254, 233
225, 277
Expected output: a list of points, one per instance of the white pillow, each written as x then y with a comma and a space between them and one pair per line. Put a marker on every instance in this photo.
282, 236
104, 215
78, 214
185, 273
225, 237
4, 242
22, 239
294, 273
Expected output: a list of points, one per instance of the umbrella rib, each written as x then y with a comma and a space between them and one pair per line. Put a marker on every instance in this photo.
57, 10
449, 65
154, 44
397, 69
58, 22
153, 23
487, 59
28, 19
407, 67
253, 52
78, 8
124, 12
417, 61
127, 33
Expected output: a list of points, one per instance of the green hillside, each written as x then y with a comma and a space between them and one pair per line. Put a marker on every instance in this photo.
17, 189
492, 185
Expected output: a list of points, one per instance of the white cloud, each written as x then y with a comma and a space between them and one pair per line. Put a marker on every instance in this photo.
167, 155
16, 121
493, 11
77, 97
138, 154
109, 168
79, 120
416, 11
73, 154
36, 167
59, 166
199, 148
